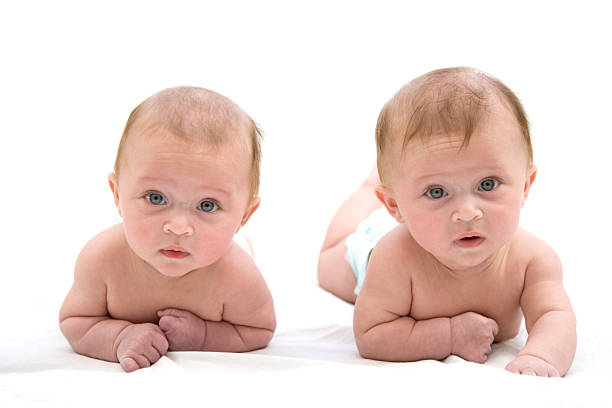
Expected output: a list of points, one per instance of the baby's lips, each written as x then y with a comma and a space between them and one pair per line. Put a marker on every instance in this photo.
469, 235
174, 253
176, 248
469, 240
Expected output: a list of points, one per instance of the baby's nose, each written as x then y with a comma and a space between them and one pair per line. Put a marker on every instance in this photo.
179, 226
467, 211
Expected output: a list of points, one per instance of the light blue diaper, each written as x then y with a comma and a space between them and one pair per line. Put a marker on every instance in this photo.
360, 243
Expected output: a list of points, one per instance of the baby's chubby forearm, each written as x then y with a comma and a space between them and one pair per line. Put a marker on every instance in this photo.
552, 338
93, 336
187, 332
224, 336
405, 339
468, 335
134, 346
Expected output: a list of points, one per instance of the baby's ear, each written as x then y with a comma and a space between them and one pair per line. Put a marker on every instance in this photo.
531, 176
384, 194
254, 204
114, 186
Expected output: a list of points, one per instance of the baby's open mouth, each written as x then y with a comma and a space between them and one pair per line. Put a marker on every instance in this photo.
470, 241
172, 253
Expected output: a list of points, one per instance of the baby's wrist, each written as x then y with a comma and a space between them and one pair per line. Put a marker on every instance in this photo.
450, 335
118, 339
203, 344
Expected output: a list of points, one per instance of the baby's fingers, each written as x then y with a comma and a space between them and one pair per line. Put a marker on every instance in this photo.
160, 343
512, 368
532, 366
544, 370
553, 372
134, 362
515, 367
129, 364
495, 327
167, 323
152, 354
172, 312
528, 371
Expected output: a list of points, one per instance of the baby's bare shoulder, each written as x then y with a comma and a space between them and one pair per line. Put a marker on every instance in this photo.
245, 295
88, 294
534, 253
395, 257
237, 268
397, 246
105, 252
530, 246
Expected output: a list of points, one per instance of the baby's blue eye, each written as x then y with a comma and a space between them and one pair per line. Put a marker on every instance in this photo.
488, 184
436, 192
155, 198
208, 206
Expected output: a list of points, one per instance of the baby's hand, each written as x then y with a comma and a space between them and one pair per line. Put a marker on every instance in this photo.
184, 330
472, 335
531, 365
140, 345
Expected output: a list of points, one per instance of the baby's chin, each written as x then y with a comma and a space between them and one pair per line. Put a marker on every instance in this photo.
175, 268
464, 260
173, 273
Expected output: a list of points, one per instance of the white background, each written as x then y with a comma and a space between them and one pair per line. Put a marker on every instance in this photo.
314, 76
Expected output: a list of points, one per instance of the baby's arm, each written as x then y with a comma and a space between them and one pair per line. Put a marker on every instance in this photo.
549, 319
86, 324
384, 329
247, 323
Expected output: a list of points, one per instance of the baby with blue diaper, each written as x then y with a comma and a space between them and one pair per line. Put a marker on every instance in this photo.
429, 248
170, 276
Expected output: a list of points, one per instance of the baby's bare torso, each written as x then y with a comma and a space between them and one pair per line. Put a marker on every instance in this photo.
136, 292
494, 292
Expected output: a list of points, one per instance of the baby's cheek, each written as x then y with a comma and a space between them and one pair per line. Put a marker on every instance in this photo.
425, 231
214, 243
507, 221
140, 236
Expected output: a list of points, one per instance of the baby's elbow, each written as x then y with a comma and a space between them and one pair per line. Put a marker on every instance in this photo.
258, 339
368, 351
72, 333
68, 329
263, 335
365, 345
266, 337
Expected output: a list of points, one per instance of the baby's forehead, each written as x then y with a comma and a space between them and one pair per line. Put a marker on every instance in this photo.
165, 155
168, 140
489, 147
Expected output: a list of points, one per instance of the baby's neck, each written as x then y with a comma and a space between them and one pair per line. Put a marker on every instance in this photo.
488, 267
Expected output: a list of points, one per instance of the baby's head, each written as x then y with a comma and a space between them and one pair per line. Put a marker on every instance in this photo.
198, 116
186, 178
455, 163
443, 102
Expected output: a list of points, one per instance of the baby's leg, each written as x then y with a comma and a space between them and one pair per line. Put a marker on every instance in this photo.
334, 272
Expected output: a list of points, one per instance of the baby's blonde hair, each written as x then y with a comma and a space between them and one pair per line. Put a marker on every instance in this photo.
199, 116
441, 102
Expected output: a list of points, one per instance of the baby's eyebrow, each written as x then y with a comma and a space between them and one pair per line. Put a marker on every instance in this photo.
420, 178
172, 181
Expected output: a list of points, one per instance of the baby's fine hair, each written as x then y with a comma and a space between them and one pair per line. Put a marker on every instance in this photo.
200, 116
441, 102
